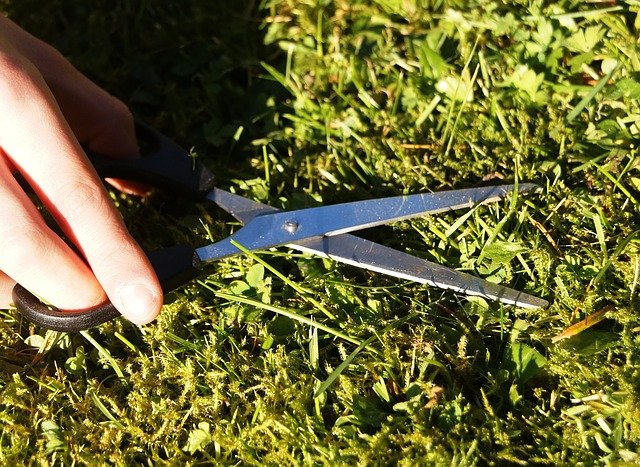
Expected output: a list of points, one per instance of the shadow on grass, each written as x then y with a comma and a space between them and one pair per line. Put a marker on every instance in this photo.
191, 69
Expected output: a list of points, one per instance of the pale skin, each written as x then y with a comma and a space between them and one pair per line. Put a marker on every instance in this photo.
47, 110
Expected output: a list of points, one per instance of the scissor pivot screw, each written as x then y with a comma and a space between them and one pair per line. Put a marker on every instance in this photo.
290, 226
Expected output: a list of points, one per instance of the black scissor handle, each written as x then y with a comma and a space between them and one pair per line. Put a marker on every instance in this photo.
162, 164
174, 266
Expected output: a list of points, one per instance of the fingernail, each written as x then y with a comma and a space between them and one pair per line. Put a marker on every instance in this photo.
138, 303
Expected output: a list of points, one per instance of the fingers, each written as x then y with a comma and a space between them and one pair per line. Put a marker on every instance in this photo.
33, 255
101, 122
39, 143
97, 118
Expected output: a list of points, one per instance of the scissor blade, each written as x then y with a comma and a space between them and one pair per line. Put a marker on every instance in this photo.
365, 254
374, 257
238, 206
275, 228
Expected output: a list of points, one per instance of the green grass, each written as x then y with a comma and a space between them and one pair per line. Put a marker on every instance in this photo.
281, 358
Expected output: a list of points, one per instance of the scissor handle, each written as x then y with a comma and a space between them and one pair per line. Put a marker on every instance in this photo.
162, 164
174, 266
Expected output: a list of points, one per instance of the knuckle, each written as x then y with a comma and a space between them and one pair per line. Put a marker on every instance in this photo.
80, 200
118, 254
19, 76
115, 114
114, 123
11, 62
121, 110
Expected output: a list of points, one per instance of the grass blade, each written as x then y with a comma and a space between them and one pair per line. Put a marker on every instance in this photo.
106, 354
340, 368
590, 96
289, 314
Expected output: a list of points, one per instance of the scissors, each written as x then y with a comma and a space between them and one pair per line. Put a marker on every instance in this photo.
323, 231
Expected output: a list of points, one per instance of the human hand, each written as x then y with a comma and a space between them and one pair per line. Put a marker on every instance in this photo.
47, 107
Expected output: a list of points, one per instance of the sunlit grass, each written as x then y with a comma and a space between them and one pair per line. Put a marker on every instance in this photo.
282, 358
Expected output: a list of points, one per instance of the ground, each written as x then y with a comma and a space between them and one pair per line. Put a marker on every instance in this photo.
280, 358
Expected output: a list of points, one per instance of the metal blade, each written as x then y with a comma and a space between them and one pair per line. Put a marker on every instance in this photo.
238, 206
368, 255
365, 254
277, 228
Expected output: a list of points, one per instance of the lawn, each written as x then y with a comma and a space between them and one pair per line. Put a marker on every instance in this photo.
280, 358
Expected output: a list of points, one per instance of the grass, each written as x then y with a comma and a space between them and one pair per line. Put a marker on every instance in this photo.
281, 358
